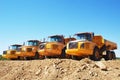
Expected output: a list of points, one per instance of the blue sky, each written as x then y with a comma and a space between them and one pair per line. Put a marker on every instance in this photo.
21, 20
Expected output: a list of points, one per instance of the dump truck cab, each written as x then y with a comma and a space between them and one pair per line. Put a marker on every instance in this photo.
11, 52
55, 46
89, 45
29, 50
83, 46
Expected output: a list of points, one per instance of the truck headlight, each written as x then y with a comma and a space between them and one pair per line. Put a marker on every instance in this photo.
42, 46
24, 49
49, 46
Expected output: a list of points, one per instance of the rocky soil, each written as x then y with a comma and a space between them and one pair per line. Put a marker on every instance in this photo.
60, 69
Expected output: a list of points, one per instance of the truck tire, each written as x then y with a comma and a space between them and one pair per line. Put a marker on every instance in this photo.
28, 58
63, 54
18, 58
74, 57
96, 54
36, 55
21, 58
114, 56
109, 55
47, 57
13, 59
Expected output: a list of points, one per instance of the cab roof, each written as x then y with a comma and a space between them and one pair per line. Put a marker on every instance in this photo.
55, 35
16, 45
84, 33
34, 40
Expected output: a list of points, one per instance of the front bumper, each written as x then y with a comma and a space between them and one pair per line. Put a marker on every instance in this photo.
79, 52
48, 52
10, 56
25, 54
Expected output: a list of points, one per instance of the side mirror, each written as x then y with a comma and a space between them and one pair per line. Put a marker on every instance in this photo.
8, 47
23, 43
43, 39
69, 36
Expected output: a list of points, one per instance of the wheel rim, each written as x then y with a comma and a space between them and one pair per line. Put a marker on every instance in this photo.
97, 55
110, 56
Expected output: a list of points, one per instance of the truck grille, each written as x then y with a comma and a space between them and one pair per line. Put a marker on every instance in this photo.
73, 45
12, 52
28, 49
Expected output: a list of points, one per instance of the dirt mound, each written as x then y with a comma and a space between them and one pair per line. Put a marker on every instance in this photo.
60, 69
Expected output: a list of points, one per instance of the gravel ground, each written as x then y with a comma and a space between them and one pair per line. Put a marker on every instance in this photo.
60, 69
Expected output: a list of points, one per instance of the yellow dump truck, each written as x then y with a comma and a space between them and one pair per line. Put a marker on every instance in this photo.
55, 47
11, 52
90, 45
29, 50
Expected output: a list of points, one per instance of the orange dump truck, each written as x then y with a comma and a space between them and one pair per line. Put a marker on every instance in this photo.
55, 47
29, 50
90, 45
11, 52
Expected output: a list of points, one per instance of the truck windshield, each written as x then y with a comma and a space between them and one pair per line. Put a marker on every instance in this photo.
84, 37
55, 39
14, 47
32, 43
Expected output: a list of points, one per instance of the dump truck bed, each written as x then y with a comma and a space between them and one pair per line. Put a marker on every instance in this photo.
100, 41
69, 39
110, 45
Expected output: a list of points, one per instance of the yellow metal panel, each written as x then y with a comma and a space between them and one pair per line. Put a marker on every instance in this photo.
9, 56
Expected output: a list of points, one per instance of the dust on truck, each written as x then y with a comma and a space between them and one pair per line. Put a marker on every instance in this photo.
29, 50
90, 45
11, 52
55, 47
